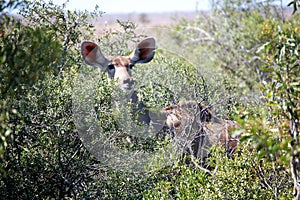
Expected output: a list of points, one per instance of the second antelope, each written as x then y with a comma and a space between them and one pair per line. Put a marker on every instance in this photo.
196, 127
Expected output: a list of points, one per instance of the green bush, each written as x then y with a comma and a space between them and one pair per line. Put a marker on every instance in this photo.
241, 177
43, 156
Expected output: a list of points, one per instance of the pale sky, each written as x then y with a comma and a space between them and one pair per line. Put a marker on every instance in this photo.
129, 6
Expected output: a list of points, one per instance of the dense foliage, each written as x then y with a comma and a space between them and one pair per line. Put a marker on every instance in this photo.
241, 59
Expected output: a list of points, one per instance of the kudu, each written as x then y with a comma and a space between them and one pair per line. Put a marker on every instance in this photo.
184, 118
199, 129
119, 68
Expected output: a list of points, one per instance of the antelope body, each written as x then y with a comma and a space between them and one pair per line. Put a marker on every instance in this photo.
199, 130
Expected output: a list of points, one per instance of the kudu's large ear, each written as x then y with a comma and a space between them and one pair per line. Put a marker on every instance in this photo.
92, 55
144, 52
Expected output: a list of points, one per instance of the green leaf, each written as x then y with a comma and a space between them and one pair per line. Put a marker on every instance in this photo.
282, 53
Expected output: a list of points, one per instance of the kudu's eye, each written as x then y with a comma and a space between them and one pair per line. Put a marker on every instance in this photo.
111, 66
130, 66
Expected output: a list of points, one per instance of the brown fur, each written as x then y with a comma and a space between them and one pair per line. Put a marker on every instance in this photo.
191, 118
121, 61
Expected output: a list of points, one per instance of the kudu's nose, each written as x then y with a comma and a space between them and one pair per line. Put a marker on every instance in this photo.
128, 80
128, 83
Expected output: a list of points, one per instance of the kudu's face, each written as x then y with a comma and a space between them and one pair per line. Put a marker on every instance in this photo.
185, 114
119, 67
